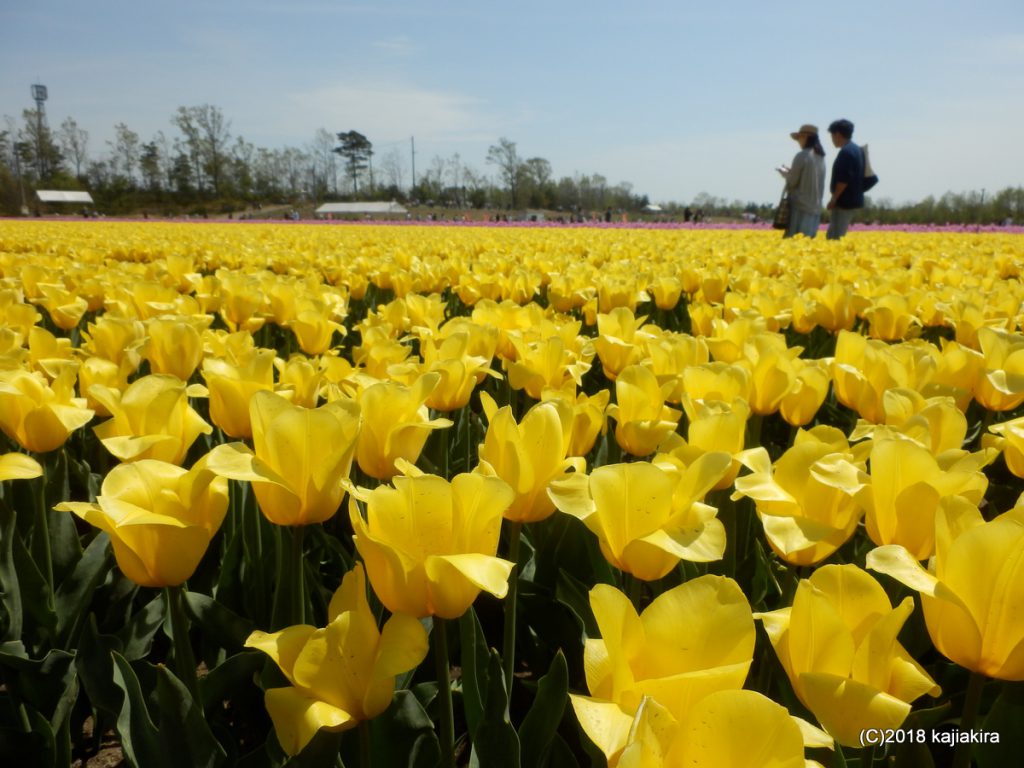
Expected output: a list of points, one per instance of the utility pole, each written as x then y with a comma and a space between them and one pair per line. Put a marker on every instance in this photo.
412, 141
39, 94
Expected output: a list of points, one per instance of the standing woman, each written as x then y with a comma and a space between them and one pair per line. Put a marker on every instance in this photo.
805, 183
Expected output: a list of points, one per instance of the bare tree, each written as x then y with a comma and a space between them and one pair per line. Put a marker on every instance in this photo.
392, 167
74, 141
325, 163
125, 152
504, 155
207, 136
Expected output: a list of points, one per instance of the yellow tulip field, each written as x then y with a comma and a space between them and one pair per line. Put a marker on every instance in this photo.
415, 496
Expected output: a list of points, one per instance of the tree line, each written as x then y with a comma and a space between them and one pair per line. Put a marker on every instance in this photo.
199, 166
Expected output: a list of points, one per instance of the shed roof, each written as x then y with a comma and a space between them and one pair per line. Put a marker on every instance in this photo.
62, 196
362, 207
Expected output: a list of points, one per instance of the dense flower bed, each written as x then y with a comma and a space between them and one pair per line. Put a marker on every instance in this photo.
646, 496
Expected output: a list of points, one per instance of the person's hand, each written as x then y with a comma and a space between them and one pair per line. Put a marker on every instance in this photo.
831, 204
783, 171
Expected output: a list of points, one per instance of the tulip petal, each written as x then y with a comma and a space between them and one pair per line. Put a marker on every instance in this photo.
571, 495
396, 578
350, 594
895, 561
456, 580
623, 639
819, 641
606, 725
709, 736
845, 707
297, 718
403, 645
699, 625
18, 466
283, 647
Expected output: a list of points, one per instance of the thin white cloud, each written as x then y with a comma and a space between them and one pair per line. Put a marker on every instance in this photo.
397, 46
391, 111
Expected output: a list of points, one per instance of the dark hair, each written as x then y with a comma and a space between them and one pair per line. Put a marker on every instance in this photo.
811, 141
843, 127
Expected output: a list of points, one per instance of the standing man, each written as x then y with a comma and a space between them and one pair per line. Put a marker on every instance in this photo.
847, 185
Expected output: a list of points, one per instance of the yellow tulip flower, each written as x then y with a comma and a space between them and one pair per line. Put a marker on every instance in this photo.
39, 416
18, 466
160, 518
648, 517
807, 391
396, 424
529, 455
725, 382
890, 318
935, 423
232, 383
429, 545
714, 426
151, 419
1000, 387
617, 342
341, 674
972, 594
299, 380
772, 369
725, 729
588, 419
690, 642
314, 328
906, 485
548, 363
727, 339
1010, 442
668, 355
97, 370
174, 346
642, 420
242, 299
302, 458
838, 646
806, 501
459, 370
65, 307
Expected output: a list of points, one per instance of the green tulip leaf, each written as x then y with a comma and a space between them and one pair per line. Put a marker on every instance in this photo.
74, 595
541, 722
495, 743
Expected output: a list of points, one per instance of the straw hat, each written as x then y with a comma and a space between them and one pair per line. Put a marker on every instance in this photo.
805, 130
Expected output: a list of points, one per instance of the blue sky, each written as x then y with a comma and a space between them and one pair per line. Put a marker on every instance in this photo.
677, 98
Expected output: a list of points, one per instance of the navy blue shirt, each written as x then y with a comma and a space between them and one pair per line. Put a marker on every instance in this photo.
848, 168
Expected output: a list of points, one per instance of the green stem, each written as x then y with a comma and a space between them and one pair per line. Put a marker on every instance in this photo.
972, 701
184, 661
444, 693
365, 744
508, 656
867, 756
290, 595
41, 545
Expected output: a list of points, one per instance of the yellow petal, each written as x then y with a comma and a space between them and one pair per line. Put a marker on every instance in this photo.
845, 707
18, 466
297, 718
606, 725
403, 645
731, 729
456, 580
283, 647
